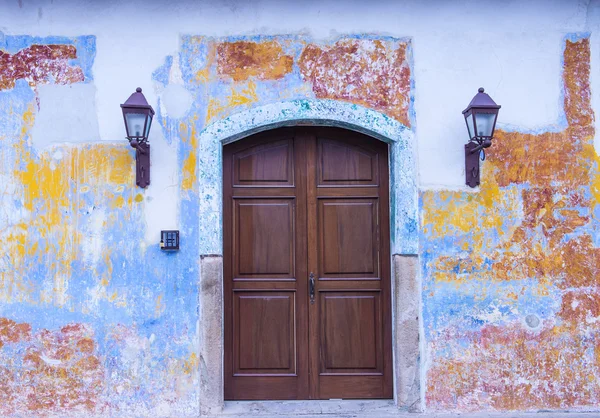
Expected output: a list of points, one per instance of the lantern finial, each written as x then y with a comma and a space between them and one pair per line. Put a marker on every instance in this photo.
481, 90
139, 89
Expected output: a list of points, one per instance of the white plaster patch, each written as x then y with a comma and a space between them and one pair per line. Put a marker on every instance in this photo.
66, 114
9, 213
532, 321
177, 100
161, 198
163, 409
94, 242
61, 289
175, 76
494, 314
51, 361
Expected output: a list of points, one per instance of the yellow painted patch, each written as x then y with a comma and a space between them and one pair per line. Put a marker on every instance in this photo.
50, 189
202, 75
188, 134
595, 183
118, 202
191, 364
159, 306
215, 109
244, 96
241, 95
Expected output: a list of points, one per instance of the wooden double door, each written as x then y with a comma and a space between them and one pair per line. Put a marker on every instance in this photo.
307, 266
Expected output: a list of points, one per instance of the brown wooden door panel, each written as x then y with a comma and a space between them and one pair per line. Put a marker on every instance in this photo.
265, 323
264, 238
348, 239
351, 325
244, 388
353, 387
296, 201
265, 165
346, 161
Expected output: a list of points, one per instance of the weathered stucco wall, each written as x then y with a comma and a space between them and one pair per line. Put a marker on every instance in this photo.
510, 292
82, 299
95, 319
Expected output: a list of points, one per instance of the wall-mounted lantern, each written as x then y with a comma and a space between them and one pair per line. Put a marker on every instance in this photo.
137, 114
480, 115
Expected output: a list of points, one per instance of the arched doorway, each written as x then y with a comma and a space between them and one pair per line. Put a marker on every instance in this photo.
307, 292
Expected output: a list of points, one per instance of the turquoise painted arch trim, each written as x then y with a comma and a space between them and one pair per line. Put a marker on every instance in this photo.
403, 172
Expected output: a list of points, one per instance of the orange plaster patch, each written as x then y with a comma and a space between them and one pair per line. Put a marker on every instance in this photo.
365, 72
509, 368
243, 60
580, 308
581, 263
578, 105
62, 373
11, 332
59, 370
38, 64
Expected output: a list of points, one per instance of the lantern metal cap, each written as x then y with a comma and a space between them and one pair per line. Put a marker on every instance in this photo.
138, 100
482, 100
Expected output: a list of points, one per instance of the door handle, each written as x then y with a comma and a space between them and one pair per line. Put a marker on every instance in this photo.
311, 287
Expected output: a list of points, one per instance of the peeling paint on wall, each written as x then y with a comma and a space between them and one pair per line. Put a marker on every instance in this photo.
243, 85
39, 64
84, 324
368, 72
94, 320
510, 294
242, 60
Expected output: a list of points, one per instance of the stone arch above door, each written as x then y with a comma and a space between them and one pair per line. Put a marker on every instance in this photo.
403, 173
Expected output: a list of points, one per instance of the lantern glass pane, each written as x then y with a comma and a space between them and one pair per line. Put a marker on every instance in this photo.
470, 126
148, 123
485, 123
135, 124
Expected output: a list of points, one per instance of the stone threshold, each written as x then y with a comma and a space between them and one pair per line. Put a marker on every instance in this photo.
366, 408
334, 407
